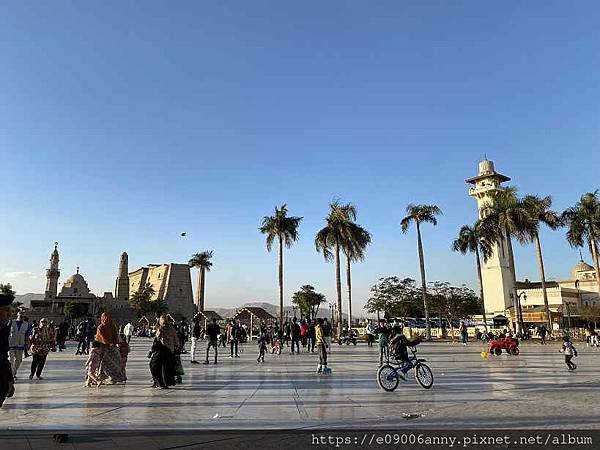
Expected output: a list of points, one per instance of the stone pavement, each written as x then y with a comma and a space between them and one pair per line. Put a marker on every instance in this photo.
533, 390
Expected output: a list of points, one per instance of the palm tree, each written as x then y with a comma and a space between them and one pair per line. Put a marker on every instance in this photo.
285, 229
329, 241
583, 221
356, 239
202, 262
473, 239
506, 217
539, 212
421, 214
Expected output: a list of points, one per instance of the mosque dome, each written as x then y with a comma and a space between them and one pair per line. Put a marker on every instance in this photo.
75, 279
582, 270
75, 286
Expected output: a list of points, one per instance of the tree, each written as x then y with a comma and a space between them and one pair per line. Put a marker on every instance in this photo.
285, 229
329, 241
7, 289
421, 214
202, 262
473, 240
505, 218
158, 307
75, 310
539, 212
583, 221
141, 300
308, 301
453, 302
590, 313
356, 239
395, 297
100, 306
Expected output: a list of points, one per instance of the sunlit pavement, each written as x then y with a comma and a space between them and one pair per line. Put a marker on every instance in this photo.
533, 389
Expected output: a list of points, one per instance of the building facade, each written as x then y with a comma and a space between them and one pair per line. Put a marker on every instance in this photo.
172, 284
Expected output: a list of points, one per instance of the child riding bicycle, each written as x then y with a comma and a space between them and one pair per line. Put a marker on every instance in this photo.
399, 350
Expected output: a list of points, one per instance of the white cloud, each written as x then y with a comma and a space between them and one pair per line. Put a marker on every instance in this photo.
17, 275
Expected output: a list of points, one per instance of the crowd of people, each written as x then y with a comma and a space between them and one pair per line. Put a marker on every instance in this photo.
107, 346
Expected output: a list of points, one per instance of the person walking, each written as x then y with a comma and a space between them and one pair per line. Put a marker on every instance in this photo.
128, 331
16, 341
162, 361
110, 364
234, 339
370, 333
196, 335
7, 381
321, 347
82, 331
464, 334
542, 332
62, 335
183, 332
383, 335
41, 344
569, 351
295, 330
303, 332
262, 340
212, 332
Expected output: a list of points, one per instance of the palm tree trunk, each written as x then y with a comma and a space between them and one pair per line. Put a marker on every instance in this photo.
540, 261
338, 287
202, 283
280, 283
517, 300
423, 283
480, 279
349, 285
198, 289
596, 264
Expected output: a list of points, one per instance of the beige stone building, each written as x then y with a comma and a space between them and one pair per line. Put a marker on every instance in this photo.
172, 284
565, 297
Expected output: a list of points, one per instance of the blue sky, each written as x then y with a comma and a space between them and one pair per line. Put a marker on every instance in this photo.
123, 125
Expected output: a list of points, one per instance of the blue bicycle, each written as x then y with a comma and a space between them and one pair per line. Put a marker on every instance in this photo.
390, 374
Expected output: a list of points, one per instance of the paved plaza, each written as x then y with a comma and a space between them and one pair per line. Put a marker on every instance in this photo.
533, 389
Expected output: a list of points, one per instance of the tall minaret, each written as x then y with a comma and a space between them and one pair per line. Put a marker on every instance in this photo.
52, 274
122, 284
495, 273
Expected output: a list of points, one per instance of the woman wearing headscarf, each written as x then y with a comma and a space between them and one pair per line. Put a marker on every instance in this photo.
42, 341
104, 363
162, 362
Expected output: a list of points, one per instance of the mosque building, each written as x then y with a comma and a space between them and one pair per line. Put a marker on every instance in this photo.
566, 297
172, 284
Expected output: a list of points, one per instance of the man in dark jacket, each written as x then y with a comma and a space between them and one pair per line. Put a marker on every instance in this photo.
295, 330
212, 331
7, 382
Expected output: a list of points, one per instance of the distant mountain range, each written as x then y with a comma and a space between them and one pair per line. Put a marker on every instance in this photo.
223, 312
270, 308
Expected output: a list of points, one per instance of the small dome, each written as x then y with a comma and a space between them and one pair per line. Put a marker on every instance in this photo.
75, 279
582, 266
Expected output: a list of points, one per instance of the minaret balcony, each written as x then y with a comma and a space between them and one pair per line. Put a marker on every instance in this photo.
52, 273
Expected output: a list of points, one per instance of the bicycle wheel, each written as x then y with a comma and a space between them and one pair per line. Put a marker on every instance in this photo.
387, 378
424, 375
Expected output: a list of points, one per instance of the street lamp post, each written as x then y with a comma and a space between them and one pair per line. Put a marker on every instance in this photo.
522, 324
